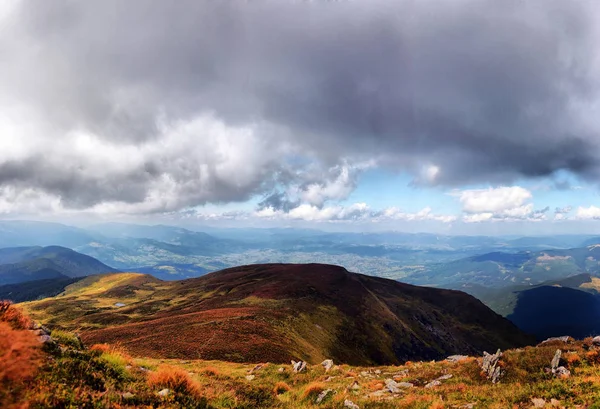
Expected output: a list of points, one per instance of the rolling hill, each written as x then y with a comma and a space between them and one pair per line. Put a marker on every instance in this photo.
501, 269
22, 264
277, 312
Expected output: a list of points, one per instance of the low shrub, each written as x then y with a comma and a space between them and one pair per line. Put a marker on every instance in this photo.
13, 316
281, 387
313, 390
176, 379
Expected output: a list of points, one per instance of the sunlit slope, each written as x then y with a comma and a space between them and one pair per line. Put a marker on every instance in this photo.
277, 312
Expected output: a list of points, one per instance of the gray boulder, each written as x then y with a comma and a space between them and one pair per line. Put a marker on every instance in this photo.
490, 366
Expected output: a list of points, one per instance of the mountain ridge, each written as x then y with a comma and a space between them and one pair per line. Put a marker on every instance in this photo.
278, 312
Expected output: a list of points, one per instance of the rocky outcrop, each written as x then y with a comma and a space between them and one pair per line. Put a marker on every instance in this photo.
490, 366
298, 366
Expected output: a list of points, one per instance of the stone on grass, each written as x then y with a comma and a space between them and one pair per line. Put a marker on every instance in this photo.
596, 341
350, 405
555, 360
250, 377
564, 338
164, 392
490, 366
323, 395
299, 366
538, 402
457, 358
327, 364
433, 384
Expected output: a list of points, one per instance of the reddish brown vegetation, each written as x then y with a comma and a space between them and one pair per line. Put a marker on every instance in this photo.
173, 378
20, 355
313, 389
264, 312
281, 387
13, 316
211, 371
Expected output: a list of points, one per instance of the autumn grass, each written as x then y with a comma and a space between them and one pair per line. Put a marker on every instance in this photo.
71, 375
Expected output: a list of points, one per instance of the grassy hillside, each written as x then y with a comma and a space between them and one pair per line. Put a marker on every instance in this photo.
277, 312
68, 374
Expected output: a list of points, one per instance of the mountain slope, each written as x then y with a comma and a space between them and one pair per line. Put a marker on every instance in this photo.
499, 269
34, 290
278, 312
549, 311
21, 264
561, 307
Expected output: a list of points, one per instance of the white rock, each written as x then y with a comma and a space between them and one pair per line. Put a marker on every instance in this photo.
433, 384
350, 405
164, 392
327, 364
323, 395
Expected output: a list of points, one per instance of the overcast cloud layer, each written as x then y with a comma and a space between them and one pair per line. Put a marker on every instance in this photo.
147, 106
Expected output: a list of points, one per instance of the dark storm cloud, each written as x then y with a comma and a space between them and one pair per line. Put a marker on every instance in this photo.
487, 91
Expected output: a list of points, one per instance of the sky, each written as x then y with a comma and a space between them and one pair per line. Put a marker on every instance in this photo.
460, 116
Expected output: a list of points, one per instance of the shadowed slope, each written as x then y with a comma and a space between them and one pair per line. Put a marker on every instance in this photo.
277, 312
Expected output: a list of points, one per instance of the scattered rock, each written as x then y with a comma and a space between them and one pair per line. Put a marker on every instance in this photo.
444, 377
299, 366
490, 366
256, 368
377, 394
596, 341
350, 405
392, 386
433, 384
377, 372
405, 385
457, 358
538, 402
395, 387
355, 386
365, 374
562, 372
281, 370
127, 395
250, 377
164, 392
327, 364
466, 406
119, 304
555, 360
44, 339
400, 375
323, 395
564, 338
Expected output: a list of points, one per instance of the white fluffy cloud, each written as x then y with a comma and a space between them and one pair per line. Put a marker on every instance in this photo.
588, 213
494, 200
354, 212
501, 203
